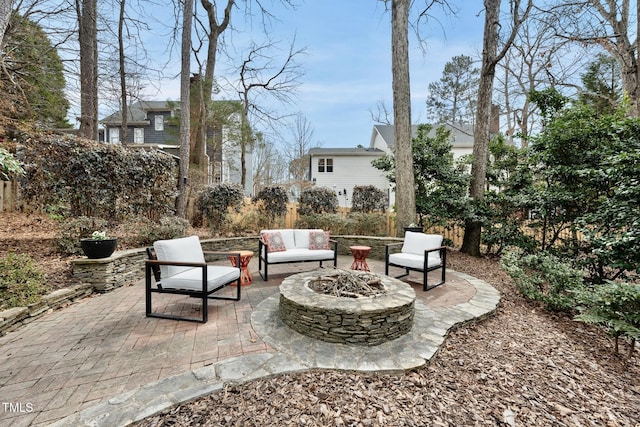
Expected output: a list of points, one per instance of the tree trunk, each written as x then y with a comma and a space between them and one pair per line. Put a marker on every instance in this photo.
185, 112
5, 13
405, 191
123, 76
473, 229
88, 39
205, 90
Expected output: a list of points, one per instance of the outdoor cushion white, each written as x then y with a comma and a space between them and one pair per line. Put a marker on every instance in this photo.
185, 249
292, 255
191, 279
413, 260
302, 238
417, 243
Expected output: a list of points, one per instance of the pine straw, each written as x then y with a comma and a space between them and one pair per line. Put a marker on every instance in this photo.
522, 367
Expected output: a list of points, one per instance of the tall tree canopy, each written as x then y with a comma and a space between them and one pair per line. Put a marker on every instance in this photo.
452, 99
32, 75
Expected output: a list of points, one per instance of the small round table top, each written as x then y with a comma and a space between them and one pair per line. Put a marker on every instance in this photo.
360, 248
244, 253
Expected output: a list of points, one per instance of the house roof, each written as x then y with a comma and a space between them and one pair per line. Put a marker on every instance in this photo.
462, 135
356, 151
137, 112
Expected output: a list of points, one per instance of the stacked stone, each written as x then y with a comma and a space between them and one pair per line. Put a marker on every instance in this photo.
367, 321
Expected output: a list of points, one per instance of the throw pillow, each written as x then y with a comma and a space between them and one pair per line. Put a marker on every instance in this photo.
274, 242
318, 240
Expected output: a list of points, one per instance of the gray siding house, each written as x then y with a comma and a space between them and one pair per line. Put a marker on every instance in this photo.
147, 123
149, 126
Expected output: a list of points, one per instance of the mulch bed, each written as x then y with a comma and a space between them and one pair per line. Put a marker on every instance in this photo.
523, 366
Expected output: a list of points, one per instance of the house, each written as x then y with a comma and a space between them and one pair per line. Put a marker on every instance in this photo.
344, 168
155, 125
383, 138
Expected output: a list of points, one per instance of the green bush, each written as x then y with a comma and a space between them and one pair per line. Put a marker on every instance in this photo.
97, 180
143, 231
544, 277
615, 306
368, 199
215, 200
72, 230
21, 281
317, 200
333, 223
367, 224
272, 202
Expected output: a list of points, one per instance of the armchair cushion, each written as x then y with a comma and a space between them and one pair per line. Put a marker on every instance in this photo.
191, 279
417, 243
186, 249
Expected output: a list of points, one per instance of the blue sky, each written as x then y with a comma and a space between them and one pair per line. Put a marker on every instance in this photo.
348, 61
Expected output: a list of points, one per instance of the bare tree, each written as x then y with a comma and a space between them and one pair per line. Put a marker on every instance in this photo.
381, 115
536, 60
260, 76
605, 23
481, 134
297, 147
185, 119
269, 165
88, 38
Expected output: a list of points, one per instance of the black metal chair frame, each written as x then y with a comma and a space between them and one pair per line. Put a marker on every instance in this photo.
263, 257
425, 269
152, 265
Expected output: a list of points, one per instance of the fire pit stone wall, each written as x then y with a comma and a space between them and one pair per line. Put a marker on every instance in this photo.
365, 321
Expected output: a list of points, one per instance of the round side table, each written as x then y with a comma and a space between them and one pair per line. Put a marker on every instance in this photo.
245, 257
360, 254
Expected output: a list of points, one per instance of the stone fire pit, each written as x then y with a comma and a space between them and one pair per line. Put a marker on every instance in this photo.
366, 321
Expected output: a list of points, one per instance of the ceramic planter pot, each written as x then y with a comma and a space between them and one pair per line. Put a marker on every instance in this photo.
95, 249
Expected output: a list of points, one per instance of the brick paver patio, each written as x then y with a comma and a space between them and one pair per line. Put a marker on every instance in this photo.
102, 346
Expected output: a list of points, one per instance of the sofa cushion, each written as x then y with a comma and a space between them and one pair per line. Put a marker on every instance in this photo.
185, 249
292, 255
191, 278
274, 241
302, 238
318, 240
417, 243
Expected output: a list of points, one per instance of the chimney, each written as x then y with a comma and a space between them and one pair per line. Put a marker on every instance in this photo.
494, 125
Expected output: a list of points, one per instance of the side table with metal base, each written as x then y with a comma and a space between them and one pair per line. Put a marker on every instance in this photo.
245, 257
360, 254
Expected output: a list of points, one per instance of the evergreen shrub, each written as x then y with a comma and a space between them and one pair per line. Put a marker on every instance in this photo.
21, 281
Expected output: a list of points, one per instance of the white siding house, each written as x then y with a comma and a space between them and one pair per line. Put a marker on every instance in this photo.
341, 169
382, 138
344, 168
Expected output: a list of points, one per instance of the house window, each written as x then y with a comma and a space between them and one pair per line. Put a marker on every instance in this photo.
114, 135
138, 136
325, 165
159, 122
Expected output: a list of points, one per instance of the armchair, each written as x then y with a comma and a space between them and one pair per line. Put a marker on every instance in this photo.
179, 267
419, 252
